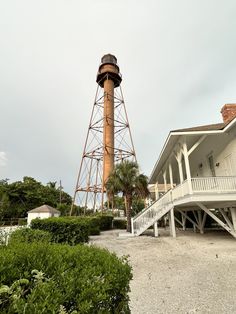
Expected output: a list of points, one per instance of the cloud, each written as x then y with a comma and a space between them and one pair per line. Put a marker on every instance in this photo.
177, 59
3, 159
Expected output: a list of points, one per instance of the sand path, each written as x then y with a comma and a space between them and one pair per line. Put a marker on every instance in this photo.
190, 274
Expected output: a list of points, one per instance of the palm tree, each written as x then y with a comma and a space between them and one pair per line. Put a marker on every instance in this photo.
126, 178
52, 184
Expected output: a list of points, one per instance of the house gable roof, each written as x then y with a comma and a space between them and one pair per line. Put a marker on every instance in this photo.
209, 127
44, 209
175, 134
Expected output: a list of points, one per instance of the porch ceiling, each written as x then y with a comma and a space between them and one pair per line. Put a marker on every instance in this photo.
189, 133
166, 153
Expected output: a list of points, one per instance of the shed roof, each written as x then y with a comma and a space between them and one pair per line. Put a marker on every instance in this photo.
44, 209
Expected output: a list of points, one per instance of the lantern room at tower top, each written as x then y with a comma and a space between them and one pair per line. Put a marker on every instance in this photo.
109, 69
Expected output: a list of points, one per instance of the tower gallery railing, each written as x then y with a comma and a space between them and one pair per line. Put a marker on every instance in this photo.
198, 185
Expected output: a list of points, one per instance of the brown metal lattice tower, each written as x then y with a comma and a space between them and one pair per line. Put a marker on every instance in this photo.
108, 139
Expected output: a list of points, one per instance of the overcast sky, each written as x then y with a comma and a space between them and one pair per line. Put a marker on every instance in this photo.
177, 59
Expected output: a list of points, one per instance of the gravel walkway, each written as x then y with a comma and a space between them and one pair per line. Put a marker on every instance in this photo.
190, 274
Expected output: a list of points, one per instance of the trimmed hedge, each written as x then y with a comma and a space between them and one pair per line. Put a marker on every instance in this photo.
29, 235
73, 230
105, 222
64, 229
50, 278
119, 224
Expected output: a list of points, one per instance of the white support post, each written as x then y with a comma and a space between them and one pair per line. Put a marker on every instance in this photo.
155, 229
181, 176
233, 215
221, 223
165, 185
132, 226
187, 217
199, 212
176, 219
172, 215
187, 167
171, 176
183, 221
226, 218
201, 139
204, 220
169, 219
196, 218
156, 191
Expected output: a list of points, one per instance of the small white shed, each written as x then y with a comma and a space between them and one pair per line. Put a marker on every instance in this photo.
44, 211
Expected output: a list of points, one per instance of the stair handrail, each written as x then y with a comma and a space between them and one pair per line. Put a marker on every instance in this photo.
146, 208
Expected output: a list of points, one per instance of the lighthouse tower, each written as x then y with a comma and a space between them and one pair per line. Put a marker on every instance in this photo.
108, 139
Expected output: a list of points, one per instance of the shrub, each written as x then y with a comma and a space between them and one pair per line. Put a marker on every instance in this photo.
68, 230
29, 235
49, 278
93, 225
119, 224
22, 222
105, 222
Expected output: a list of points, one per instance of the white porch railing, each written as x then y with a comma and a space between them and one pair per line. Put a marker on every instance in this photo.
180, 190
214, 184
160, 207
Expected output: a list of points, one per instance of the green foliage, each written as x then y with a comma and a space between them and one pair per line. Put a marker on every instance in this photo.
4, 234
126, 179
30, 235
70, 230
43, 278
105, 222
119, 224
19, 197
73, 230
93, 224
22, 221
137, 205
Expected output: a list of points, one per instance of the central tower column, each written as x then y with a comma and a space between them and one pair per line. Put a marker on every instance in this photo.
109, 78
108, 129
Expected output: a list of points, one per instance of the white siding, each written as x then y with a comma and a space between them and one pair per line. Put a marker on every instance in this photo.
223, 149
32, 216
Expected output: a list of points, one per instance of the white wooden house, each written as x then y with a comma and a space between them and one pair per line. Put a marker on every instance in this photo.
197, 167
44, 211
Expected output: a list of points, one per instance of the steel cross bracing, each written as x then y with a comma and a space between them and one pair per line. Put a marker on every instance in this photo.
89, 191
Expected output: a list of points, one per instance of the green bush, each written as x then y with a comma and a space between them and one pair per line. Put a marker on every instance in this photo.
119, 224
22, 222
67, 230
50, 278
105, 222
93, 224
29, 235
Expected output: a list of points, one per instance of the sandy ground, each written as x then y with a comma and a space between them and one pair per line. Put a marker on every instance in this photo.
190, 274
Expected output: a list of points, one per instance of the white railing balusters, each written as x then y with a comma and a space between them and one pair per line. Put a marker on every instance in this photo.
214, 184
149, 215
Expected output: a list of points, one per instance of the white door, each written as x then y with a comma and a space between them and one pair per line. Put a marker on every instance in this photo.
228, 165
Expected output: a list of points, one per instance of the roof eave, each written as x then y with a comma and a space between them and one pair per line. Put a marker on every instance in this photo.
186, 133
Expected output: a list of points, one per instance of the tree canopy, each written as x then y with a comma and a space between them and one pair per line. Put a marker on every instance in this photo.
17, 198
126, 178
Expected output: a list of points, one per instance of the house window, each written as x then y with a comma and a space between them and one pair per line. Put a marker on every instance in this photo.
211, 165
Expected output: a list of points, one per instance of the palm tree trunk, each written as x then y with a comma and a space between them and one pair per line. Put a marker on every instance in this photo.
112, 204
125, 200
128, 211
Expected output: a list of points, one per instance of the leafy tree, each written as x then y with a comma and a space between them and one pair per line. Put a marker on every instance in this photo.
138, 204
126, 178
17, 198
52, 184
